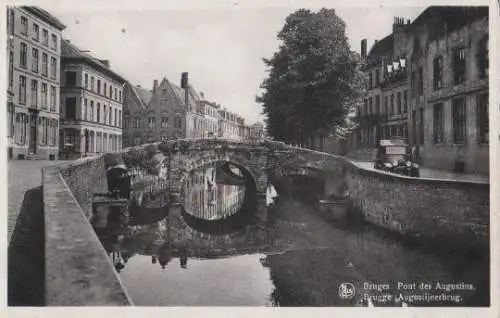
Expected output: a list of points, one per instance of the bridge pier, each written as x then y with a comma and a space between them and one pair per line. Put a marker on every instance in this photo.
261, 213
179, 236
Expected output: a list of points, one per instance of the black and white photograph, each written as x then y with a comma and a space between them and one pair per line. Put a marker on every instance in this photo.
239, 155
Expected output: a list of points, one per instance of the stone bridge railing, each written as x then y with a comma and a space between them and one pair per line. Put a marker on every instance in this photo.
79, 272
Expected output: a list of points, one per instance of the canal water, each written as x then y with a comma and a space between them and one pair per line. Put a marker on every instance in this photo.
298, 259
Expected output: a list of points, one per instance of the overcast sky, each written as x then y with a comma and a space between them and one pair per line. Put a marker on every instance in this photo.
221, 47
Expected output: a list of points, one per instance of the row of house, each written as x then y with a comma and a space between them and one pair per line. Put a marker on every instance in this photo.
64, 103
168, 111
428, 83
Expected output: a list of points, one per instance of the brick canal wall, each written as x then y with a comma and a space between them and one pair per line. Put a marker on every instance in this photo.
442, 211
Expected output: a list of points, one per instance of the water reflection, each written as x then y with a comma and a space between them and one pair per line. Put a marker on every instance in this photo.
206, 199
297, 260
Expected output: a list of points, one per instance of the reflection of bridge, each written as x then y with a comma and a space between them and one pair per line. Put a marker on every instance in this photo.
260, 162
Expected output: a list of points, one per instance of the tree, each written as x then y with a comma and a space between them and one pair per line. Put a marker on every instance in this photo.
314, 78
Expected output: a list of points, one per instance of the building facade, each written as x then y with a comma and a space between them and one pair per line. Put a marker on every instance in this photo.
428, 84
33, 51
228, 125
91, 105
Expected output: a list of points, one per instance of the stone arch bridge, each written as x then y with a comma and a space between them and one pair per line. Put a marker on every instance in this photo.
262, 162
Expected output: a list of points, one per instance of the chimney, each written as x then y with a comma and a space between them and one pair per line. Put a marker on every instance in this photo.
363, 48
408, 22
155, 86
202, 95
105, 62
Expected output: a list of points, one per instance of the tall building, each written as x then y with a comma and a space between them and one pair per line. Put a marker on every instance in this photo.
211, 117
33, 50
428, 83
91, 105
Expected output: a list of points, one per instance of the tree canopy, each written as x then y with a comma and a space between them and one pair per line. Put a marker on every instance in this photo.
314, 78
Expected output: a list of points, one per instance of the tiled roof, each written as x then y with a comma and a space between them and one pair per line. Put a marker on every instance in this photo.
382, 47
143, 94
70, 51
45, 16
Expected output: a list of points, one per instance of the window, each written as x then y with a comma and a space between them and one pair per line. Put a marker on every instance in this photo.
98, 86
53, 97
45, 37
116, 95
110, 118
120, 96
377, 104
91, 117
125, 122
438, 130
365, 109
44, 96
438, 73
105, 90
53, 67
20, 129
22, 89
421, 131
86, 76
98, 112
85, 109
34, 60
116, 117
70, 78
458, 115
34, 93
54, 133
105, 114
405, 101
120, 118
36, 32
392, 105
53, 42
23, 60
110, 91
420, 87
70, 108
386, 105
92, 83
483, 118
482, 58
413, 82
137, 122
11, 69
370, 80
24, 25
399, 103
164, 122
377, 77
137, 141
45, 64
151, 122
178, 123
371, 106
458, 66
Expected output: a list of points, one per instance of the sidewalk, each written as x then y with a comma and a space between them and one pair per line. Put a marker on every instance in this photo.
429, 173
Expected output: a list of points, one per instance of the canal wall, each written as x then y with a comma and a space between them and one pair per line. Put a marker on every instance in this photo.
442, 211
78, 271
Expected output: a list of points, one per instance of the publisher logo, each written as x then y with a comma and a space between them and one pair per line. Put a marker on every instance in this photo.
346, 291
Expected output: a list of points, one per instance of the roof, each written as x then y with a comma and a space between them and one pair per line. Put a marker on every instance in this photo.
45, 16
380, 48
71, 52
453, 15
143, 94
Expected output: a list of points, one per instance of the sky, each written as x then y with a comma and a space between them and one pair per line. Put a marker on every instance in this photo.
221, 47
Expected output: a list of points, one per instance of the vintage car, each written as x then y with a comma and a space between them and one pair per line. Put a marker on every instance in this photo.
393, 155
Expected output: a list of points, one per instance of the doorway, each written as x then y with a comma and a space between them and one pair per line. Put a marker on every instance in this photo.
33, 132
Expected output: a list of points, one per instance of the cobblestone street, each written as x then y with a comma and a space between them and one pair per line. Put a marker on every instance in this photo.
23, 175
436, 174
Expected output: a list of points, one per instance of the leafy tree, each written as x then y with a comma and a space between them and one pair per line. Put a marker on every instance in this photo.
314, 79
